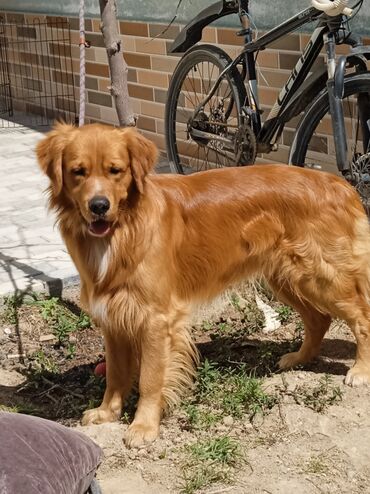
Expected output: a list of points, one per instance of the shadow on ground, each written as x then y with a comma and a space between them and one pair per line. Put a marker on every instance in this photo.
63, 396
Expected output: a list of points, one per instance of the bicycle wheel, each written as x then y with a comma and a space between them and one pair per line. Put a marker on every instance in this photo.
190, 143
312, 146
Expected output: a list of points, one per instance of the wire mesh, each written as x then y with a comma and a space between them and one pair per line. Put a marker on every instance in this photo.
36, 73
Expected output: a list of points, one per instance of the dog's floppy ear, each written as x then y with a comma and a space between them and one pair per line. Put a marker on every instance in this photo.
49, 153
143, 156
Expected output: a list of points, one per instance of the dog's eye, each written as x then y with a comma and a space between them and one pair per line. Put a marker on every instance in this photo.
114, 170
79, 172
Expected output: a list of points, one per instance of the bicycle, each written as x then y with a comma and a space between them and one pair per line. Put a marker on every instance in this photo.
213, 117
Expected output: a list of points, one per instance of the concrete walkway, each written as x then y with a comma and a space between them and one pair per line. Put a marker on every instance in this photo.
32, 254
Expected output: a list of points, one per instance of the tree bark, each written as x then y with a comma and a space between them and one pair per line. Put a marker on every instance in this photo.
117, 65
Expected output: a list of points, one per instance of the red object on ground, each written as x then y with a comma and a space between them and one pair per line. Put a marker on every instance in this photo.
100, 369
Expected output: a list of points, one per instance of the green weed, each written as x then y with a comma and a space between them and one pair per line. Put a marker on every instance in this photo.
320, 396
42, 363
71, 350
208, 375
227, 391
93, 403
284, 313
244, 394
11, 306
207, 326
253, 318
236, 301
222, 450
200, 417
197, 477
317, 465
210, 461
62, 321
267, 356
20, 408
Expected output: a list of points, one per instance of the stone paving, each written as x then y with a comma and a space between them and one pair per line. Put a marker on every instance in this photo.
32, 254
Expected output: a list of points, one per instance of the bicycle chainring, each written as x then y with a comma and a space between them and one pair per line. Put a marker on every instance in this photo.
361, 179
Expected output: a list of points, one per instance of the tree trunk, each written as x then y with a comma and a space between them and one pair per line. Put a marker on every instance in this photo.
117, 65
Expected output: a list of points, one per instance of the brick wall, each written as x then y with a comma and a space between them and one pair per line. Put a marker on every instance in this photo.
150, 70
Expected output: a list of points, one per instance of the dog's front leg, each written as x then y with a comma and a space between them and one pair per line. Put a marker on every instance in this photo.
119, 377
154, 361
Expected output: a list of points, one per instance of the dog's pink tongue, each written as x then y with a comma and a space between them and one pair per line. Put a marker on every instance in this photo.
100, 227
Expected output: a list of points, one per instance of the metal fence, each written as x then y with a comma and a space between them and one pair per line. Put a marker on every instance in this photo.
36, 75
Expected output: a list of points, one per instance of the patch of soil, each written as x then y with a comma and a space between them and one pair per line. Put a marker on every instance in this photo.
291, 448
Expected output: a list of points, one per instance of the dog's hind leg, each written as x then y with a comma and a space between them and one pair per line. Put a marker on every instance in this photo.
352, 302
315, 326
356, 312
119, 379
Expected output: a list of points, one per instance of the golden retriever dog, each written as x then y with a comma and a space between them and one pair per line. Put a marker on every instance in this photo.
149, 247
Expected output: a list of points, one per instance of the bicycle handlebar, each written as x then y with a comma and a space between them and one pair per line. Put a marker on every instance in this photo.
332, 8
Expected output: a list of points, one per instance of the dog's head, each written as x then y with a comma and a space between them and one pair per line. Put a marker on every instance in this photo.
95, 168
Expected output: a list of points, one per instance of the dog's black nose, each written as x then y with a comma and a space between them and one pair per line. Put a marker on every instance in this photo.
99, 205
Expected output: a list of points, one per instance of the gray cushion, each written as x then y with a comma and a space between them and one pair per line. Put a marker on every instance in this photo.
39, 456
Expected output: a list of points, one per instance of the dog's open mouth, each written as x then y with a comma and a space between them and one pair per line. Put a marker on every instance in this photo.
100, 228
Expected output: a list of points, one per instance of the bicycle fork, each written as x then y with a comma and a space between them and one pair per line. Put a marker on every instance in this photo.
335, 94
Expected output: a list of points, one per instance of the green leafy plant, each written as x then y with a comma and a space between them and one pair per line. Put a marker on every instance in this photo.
62, 321
284, 313
42, 363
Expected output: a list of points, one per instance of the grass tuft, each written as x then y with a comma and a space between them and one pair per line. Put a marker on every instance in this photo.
320, 396
222, 392
62, 321
222, 450
210, 461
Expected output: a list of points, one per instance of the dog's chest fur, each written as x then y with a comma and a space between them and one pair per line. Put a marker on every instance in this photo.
99, 260
113, 300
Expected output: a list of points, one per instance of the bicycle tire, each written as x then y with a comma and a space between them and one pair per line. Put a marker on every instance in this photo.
319, 108
199, 54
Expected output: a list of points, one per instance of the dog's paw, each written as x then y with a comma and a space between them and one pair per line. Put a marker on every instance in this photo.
98, 416
139, 435
357, 376
289, 360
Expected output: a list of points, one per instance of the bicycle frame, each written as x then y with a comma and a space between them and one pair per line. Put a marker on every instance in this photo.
269, 132
289, 102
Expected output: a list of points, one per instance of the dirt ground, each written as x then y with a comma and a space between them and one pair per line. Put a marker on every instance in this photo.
245, 428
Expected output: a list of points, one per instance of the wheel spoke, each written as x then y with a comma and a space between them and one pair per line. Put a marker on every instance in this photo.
316, 139
190, 150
